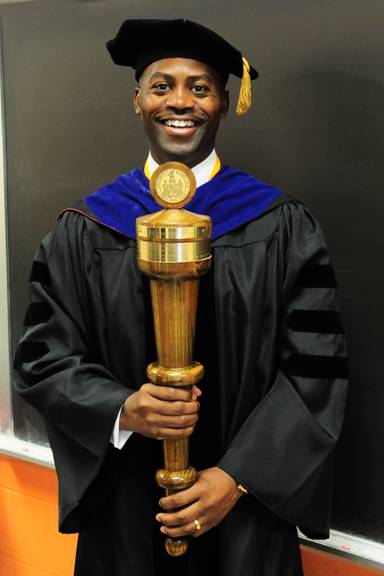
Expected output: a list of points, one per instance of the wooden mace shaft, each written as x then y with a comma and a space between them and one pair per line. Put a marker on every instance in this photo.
174, 303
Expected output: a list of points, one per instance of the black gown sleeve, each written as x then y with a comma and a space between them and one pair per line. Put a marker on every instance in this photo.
283, 452
61, 370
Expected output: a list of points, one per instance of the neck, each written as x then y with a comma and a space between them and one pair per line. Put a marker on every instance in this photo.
187, 160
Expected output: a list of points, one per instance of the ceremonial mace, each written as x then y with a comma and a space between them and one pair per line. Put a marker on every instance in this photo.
173, 249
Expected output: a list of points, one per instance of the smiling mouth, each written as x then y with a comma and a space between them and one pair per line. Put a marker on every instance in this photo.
178, 123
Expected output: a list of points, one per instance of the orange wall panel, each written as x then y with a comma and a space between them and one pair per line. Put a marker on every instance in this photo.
30, 544
10, 567
318, 563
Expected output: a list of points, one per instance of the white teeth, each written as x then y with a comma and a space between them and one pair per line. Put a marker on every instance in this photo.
179, 123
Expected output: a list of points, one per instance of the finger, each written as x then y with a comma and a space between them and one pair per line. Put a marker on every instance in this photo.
182, 517
171, 433
183, 421
180, 499
176, 408
173, 408
169, 393
188, 530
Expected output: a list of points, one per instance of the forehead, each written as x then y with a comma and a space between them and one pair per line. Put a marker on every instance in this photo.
180, 67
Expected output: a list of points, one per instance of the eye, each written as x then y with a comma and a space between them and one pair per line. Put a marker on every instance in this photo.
161, 87
199, 88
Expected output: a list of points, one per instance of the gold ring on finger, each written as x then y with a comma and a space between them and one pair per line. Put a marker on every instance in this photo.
197, 525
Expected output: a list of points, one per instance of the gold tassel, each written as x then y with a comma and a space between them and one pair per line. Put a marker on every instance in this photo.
245, 96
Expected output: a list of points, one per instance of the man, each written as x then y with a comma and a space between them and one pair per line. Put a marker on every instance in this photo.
268, 335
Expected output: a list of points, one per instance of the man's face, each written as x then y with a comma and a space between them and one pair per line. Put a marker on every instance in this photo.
181, 103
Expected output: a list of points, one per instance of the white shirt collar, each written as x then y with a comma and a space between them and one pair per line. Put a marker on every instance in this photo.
201, 171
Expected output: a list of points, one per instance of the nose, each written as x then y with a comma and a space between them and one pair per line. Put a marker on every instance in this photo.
180, 99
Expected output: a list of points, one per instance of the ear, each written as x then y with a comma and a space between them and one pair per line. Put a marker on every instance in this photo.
136, 100
225, 104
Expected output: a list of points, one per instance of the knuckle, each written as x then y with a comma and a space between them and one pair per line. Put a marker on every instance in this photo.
145, 411
193, 409
166, 505
180, 519
179, 407
142, 401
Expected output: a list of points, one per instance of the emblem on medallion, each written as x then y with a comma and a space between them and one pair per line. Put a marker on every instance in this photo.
173, 185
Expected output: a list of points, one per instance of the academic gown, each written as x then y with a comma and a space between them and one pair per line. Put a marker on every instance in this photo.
270, 338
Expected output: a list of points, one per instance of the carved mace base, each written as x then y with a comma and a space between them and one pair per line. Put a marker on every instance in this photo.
173, 481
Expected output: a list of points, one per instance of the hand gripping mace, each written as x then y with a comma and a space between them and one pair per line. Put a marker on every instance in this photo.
173, 249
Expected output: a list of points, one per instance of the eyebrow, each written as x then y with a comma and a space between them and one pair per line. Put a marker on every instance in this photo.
170, 78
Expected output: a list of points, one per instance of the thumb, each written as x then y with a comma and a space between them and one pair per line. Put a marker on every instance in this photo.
196, 392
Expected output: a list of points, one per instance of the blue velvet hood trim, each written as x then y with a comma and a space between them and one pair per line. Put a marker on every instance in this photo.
231, 198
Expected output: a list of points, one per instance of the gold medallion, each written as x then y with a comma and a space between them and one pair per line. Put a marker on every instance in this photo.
173, 185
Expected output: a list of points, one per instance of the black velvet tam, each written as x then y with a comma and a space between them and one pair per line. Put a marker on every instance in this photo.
138, 43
